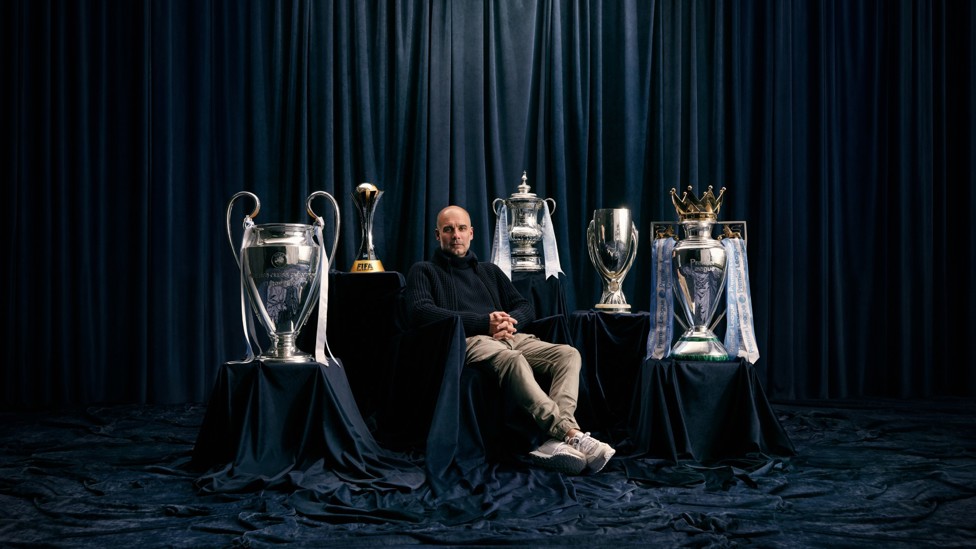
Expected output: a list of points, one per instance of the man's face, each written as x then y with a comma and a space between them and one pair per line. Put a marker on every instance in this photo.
454, 231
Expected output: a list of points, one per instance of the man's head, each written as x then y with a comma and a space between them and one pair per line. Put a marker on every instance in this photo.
454, 231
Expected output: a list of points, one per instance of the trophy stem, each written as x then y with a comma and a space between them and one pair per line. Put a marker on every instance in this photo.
283, 349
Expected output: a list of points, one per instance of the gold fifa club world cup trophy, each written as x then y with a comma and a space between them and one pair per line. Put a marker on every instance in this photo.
366, 196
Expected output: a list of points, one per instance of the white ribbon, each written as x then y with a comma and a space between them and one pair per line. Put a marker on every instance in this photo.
247, 321
321, 345
740, 335
501, 253
662, 330
549, 253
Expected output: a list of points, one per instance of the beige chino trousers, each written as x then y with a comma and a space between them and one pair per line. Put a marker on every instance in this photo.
516, 362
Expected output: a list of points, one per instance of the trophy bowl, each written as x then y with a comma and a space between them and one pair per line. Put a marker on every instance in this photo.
611, 238
281, 267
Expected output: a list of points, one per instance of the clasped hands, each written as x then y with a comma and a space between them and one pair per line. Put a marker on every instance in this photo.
501, 325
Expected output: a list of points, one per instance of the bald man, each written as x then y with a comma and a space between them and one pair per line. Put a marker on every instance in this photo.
455, 283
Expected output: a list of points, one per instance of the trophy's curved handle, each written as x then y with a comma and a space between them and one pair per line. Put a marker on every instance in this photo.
594, 255
552, 210
249, 218
496, 206
632, 253
321, 222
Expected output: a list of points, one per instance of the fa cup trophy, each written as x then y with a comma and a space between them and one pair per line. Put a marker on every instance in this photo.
698, 267
282, 268
612, 241
366, 196
524, 231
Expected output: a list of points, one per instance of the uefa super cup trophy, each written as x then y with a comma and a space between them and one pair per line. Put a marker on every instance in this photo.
366, 196
524, 230
612, 241
282, 265
698, 267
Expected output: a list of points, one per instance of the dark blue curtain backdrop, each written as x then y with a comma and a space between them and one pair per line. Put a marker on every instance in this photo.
842, 130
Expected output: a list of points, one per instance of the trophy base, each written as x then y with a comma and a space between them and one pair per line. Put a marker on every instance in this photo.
612, 307
700, 343
367, 266
297, 356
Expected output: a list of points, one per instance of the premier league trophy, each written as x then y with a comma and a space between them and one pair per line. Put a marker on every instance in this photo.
524, 231
366, 196
612, 241
282, 270
698, 267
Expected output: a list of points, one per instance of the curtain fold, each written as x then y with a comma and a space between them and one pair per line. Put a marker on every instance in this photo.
842, 131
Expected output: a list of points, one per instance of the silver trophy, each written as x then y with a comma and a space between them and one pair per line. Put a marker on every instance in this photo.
524, 230
612, 241
281, 268
698, 267
366, 196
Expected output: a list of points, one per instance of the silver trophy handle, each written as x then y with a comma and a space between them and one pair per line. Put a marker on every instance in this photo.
251, 216
632, 253
321, 222
552, 201
497, 205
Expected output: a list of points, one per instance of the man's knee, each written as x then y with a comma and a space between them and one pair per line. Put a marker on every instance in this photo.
569, 359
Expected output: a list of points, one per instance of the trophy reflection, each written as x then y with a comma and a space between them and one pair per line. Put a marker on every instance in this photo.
366, 196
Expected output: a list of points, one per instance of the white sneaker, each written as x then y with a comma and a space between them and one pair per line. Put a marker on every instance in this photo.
597, 453
559, 456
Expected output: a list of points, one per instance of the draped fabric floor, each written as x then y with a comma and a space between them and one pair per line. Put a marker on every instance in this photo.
866, 474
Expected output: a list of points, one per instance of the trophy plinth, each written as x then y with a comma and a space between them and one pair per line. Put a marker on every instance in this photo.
698, 267
611, 238
366, 196
367, 266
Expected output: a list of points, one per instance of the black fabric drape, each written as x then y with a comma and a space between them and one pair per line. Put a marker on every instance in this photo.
843, 132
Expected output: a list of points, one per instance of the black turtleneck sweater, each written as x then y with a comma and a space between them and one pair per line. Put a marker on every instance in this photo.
448, 286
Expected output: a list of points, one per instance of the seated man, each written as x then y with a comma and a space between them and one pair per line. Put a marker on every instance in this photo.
455, 283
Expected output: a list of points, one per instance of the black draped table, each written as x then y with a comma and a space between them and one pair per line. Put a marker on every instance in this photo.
274, 424
547, 295
675, 410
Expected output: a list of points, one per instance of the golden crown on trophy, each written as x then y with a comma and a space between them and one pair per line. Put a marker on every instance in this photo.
690, 208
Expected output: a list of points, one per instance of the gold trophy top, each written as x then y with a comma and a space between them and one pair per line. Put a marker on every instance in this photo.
690, 208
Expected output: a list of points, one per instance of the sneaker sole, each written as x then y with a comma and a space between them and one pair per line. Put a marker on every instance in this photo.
600, 461
563, 463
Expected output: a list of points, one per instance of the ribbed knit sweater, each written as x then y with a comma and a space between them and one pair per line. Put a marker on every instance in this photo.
449, 286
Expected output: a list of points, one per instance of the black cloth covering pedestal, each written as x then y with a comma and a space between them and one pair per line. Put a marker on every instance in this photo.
703, 412
274, 424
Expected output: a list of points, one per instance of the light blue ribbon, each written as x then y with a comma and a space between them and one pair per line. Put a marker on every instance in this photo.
662, 330
740, 334
321, 344
549, 253
501, 253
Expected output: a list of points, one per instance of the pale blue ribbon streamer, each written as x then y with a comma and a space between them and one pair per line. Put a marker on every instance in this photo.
549, 252
321, 344
662, 329
740, 334
501, 253
247, 322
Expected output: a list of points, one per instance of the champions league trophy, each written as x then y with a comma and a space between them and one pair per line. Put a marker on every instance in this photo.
612, 241
523, 230
366, 196
698, 268
284, 272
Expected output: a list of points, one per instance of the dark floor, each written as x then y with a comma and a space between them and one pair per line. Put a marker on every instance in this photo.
866, 474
